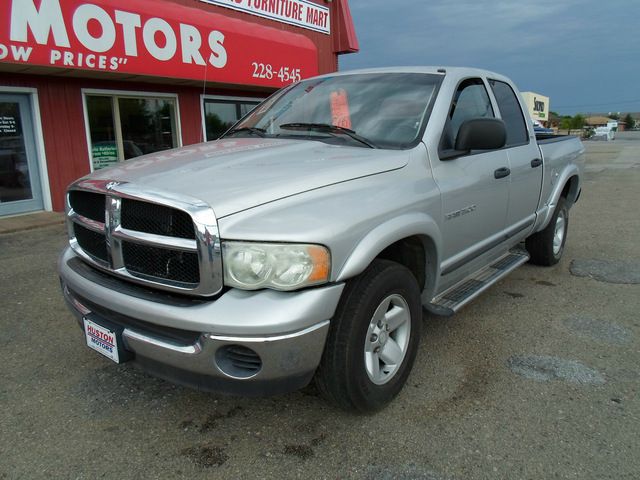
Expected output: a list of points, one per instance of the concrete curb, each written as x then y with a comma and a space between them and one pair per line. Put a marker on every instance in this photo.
30, 221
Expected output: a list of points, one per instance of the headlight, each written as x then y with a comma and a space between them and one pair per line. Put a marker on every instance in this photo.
280, 266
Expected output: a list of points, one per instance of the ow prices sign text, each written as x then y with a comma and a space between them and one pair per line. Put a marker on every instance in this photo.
131, 37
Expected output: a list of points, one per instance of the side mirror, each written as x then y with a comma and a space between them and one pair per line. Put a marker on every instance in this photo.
481, 134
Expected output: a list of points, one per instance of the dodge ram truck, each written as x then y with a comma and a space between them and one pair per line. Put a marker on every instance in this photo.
307, 241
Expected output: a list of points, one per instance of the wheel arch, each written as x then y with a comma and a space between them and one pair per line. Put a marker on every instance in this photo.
413, 240
568, 187
571, 189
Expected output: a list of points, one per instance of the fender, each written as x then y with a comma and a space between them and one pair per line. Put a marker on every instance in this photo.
383, 235
545, 213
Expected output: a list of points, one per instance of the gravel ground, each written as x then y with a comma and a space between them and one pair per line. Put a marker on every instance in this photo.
538, 378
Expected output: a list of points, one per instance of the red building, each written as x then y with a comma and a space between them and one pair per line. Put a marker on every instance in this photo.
85, 84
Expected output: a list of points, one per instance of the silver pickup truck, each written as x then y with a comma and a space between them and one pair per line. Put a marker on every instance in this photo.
306, 242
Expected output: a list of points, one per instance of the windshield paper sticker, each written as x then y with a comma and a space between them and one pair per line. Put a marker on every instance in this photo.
340, 115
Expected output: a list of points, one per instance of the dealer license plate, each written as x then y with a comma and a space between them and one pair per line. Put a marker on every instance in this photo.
101, 339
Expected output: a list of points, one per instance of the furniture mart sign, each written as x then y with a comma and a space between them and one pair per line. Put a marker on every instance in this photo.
301, 13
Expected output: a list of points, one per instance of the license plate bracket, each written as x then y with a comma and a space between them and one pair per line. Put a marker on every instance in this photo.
105, 338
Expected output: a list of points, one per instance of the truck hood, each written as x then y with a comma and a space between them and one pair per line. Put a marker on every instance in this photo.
232, 175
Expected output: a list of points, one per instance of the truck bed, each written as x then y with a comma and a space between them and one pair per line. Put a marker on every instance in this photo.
552, 137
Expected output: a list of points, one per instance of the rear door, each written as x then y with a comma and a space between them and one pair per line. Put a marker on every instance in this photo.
525, 159
474, 201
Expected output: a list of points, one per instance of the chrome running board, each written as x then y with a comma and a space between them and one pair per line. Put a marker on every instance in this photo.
456, 297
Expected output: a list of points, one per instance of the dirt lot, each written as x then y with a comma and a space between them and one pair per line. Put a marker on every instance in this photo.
538, 378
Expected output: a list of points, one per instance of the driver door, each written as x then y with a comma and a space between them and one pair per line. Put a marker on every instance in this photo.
474, 195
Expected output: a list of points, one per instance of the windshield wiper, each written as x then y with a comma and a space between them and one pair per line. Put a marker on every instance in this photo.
256, 131
325, 127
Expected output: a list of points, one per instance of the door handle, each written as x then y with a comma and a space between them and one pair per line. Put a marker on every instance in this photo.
536, 162
502, 172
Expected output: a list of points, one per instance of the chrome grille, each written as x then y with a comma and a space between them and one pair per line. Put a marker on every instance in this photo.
88, 204
93, 243
161, 263
147, 237
157, 219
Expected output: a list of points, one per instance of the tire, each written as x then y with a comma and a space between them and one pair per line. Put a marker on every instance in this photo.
546, 247
357, 343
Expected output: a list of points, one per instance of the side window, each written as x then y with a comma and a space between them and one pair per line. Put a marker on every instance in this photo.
471, 100
511, 112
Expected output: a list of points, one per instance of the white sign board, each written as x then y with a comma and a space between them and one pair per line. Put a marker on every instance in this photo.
301, 13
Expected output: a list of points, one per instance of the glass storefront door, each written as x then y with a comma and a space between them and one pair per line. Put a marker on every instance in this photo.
19, 175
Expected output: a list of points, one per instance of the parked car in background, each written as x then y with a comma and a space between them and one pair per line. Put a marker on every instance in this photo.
538, 128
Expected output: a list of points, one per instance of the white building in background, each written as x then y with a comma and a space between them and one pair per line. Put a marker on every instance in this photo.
538, 106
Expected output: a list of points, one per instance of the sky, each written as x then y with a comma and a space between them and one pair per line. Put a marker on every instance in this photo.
583, 54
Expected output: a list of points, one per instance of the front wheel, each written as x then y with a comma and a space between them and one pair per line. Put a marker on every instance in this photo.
373, 339
546, 247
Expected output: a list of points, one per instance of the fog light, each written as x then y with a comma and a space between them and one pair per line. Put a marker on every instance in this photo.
238, 361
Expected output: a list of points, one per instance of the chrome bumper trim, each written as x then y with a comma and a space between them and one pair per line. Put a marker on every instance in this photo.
133, 336
275, 338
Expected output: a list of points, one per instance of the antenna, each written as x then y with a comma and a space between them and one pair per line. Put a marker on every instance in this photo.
204, 90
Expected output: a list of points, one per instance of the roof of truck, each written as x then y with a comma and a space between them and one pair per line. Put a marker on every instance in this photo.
434, 69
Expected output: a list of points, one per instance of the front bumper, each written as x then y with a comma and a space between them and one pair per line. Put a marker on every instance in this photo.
181, 339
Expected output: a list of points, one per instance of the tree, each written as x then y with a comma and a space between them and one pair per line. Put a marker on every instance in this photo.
629, 121
554, 119
578, 122
572, 123
614, 116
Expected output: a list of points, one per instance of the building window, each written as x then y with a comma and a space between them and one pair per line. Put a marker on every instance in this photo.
221, 113
127, 126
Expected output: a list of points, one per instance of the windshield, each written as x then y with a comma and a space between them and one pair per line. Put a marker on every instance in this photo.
379, 110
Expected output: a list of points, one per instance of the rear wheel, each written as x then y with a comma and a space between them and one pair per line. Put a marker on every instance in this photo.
373, 339
546, 247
